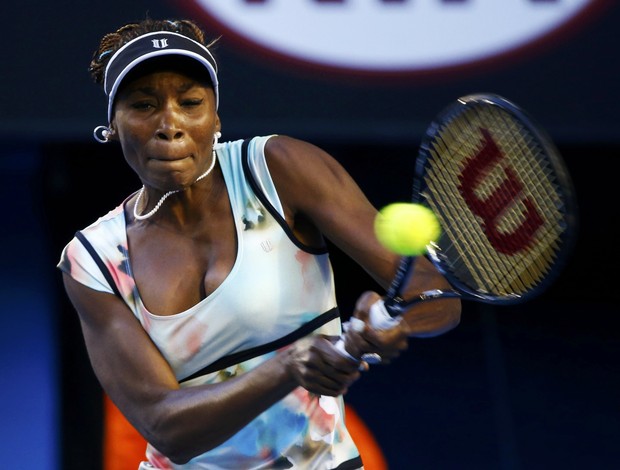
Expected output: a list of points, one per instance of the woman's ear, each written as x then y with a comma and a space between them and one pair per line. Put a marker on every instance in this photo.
218, 123
112, 135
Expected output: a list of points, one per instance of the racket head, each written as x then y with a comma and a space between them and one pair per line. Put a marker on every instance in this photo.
503, 196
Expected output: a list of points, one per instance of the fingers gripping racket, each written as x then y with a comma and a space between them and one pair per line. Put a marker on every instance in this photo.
505, 202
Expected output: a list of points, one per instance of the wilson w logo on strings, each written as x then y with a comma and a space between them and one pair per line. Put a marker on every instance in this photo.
509, 217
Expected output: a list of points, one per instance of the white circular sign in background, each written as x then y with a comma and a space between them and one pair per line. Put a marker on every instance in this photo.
393, 36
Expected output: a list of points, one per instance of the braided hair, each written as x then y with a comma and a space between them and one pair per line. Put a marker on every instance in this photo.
112, 42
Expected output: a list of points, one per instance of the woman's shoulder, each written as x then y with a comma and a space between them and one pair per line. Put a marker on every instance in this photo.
106, 235
114, 220
299, 161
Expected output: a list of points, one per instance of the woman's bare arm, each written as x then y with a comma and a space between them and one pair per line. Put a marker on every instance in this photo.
311, 183
184, 422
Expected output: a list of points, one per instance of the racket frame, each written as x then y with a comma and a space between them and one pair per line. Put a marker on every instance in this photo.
394, 302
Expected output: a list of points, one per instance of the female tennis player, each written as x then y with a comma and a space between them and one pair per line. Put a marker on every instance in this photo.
206, 298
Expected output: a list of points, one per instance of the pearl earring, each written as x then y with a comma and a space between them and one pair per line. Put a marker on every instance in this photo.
102, 134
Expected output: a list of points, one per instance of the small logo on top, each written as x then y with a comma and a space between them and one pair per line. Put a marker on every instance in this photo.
160, 43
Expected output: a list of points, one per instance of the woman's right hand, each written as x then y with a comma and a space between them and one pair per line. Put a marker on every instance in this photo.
388, 342
320, 368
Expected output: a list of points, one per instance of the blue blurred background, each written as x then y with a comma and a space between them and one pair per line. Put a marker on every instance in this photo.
526, 387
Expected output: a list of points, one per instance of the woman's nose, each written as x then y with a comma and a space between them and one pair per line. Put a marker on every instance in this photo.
169, 127
169, 134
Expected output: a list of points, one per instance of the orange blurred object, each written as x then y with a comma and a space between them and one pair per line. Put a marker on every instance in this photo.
371, 453
123, 447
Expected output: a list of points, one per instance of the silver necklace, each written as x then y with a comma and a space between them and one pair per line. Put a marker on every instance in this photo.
165, 196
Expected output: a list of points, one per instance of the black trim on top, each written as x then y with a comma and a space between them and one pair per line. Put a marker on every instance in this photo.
104, 269
272, 210
242, 356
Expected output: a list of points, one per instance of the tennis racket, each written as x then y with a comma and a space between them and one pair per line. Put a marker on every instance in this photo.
505, 202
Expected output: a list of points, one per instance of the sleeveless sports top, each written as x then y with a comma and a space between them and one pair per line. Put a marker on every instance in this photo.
278, 291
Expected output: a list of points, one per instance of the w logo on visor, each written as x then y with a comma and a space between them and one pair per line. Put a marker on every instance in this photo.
160, 43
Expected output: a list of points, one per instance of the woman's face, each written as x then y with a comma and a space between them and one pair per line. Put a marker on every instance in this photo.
165, 121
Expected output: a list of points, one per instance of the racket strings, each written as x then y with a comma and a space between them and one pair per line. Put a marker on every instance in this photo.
538, 176
486, 272
516, 246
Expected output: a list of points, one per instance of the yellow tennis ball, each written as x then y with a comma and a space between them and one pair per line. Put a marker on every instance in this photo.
406, 228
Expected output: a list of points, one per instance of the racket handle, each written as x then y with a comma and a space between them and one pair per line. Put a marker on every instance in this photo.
380, 318
356, 325
342, 350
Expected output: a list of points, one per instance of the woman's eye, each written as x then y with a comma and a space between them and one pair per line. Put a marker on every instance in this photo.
192, 102
142, 105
